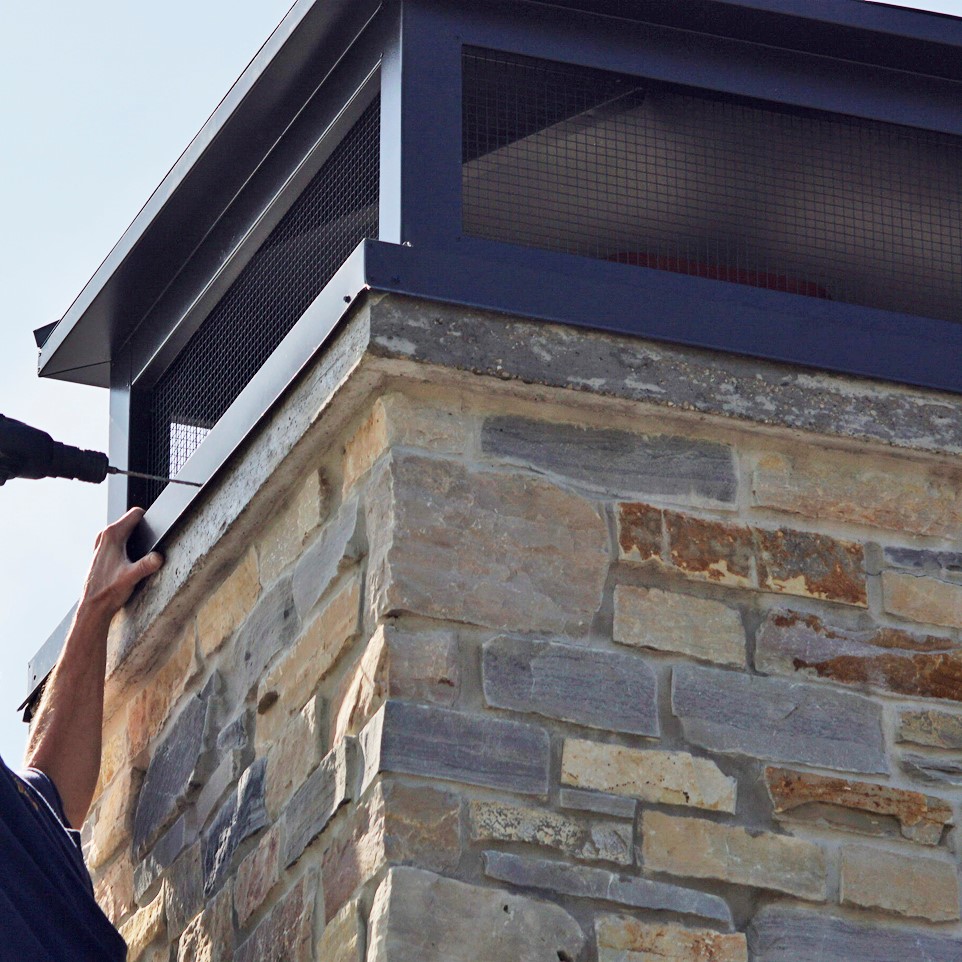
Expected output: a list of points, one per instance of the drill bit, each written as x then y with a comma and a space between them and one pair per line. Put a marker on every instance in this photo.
152, 477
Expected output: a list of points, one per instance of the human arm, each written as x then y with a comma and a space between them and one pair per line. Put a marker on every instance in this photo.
65, 740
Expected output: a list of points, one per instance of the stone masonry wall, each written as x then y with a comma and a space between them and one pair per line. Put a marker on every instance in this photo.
489, 667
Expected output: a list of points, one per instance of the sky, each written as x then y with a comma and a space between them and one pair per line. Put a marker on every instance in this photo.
97, 101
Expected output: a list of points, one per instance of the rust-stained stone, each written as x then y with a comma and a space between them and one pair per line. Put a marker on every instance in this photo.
712, 550
860, 806
937, 729
887, 658
813, 565
624, 939
639, 532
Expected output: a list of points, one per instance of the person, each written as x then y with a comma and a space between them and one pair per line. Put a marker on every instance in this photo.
47, 908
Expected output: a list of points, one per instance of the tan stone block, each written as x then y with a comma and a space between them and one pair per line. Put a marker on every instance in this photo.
666, 778
937, 729
363, 690
115, 750
144, 927
896, 495
227, 607
290, 526
210, 936
639, 532
490, 548
858, 806
294, 755
396, 823
397, 419
925, 600
256, 876
696, 848
151, 706
905, 884
114, 817
343, 937
114, 888
596, 839
624, 939
666, 621
294, 679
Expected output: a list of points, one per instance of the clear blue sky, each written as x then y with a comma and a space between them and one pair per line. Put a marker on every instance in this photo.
97, 100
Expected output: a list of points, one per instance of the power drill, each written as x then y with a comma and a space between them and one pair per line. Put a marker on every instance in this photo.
26, 452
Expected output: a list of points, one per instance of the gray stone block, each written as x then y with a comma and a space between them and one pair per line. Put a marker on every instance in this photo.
185, 890
439, 743
181, 763
606, 690
161, 856
595, 883
600, 802
268, 629
313, 805
616, 463
932, 562
318, 566
421, 917
240, 816
938, 770
793, 935
732, 713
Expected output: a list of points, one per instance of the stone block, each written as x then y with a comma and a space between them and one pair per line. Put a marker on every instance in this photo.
713, 551
857, 806
180, 764
421, 917
115, 754
145, 926
294, 679
210, 936
185, 890
895, 495
935, 729
811, 565
904, 884
666, 621
114, 888
240, 817
115, 817
942, 564
417, 665
928, 601
221, 614
564, 681
284, 935
343, 937
697, 848
640, 532
616, 463
781, 933
624, 939
662, 777
935, 769
582, 881
395, 824
161, 856
594, 840
614, 805
501, 550
313, 805
399, 420
268, 631
889, 659
338, 546
291, 525
474, 749
257, 875
780, 720
294, 755
221, 780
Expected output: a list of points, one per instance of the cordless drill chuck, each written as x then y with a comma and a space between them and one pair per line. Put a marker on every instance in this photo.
27, 452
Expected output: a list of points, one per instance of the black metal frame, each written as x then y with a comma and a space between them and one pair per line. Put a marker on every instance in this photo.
841, 56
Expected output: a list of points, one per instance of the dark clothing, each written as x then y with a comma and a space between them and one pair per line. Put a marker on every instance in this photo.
47, 907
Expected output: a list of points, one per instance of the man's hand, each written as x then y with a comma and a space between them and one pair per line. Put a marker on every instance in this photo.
65, 739
112, 576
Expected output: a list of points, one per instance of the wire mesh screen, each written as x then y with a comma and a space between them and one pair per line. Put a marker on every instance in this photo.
662, 176
335, 212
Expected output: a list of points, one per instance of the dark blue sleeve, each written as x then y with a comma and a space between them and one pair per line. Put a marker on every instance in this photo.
42, 783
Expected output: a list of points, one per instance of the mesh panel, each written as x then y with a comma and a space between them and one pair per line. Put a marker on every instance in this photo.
662, 176
336, 211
